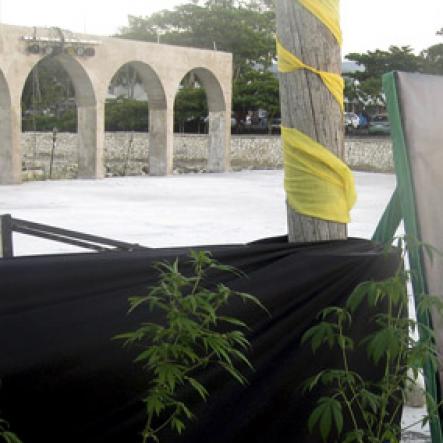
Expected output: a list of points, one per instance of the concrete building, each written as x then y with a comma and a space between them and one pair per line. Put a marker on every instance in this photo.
91, 62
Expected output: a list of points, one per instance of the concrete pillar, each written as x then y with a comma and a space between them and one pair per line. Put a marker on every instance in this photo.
91, 135
10, 131
161, 140
219, 105
219, 141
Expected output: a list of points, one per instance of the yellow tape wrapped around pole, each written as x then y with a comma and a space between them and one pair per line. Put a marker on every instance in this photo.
328, 12
317, 182
288, 62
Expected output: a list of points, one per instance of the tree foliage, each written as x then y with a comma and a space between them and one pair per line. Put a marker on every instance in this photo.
126, 115
48, 98
47, 85
244, 27
256, 89
247, 29
190, 107
433, 59
378, 62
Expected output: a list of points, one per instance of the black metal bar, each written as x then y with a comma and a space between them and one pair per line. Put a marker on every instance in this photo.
6, 247
46, 229
8, 225
61, 239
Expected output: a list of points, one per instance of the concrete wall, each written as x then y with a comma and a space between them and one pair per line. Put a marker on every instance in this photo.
370, 154
190, 154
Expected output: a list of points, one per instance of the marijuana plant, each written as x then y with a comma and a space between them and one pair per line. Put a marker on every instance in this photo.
192, 335
6, 435
372, 406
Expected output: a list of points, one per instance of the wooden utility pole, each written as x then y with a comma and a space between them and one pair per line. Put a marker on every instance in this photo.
307, 105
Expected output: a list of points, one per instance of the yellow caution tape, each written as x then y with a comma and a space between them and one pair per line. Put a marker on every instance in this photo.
317, 183
288, 62
328, 12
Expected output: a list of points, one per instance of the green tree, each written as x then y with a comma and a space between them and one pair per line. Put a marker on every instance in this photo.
247, 29
255, 90
48, 97
377, 63
126, 115
433, 59
127, 77
65, 122
190, 106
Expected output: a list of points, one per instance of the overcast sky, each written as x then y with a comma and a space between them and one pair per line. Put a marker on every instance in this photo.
367, 25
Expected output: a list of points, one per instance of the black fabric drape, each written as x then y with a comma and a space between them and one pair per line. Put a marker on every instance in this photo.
64, 380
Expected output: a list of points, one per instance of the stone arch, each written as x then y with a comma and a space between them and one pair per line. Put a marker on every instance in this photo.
84, 88
213, 87
90, 117
160, 139
91, 75
219, 119
151, 80
10, 156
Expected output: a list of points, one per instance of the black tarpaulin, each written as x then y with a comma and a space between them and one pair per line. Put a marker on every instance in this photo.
64, 380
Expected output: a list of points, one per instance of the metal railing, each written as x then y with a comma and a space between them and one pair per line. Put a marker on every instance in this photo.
9, 225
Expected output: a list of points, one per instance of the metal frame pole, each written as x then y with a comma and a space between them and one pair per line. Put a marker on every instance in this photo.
6, 246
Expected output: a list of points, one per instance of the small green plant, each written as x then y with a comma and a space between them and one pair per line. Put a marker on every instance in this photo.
372, 406
6, 435
191, 335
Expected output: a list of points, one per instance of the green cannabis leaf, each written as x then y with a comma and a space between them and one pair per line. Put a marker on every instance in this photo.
188, 339
372, 406
6, 435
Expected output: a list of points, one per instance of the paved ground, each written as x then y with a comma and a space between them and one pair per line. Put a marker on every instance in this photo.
179, 210
416, 437
414, 434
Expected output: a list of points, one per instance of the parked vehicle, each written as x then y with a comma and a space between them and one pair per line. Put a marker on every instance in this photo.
256, 122
379, 125
351, 121
234, 122
276, 125
363, 120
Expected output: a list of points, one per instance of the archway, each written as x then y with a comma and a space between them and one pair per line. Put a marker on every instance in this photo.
10, 157
217, 121
48, 105
58, 96
136, 103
